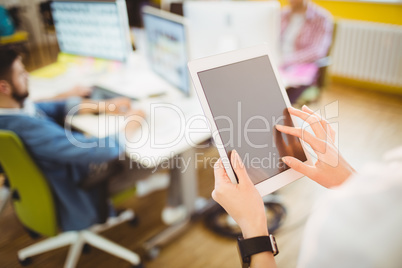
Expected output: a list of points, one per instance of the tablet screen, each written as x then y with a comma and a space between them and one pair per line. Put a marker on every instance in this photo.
246, 103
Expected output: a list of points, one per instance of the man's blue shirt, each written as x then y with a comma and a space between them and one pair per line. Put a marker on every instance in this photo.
63, 163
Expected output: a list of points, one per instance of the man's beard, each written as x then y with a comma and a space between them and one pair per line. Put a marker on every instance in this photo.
19, 97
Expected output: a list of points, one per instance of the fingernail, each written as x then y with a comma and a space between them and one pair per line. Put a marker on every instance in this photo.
232, 156
285, 160
235, 155
278, 126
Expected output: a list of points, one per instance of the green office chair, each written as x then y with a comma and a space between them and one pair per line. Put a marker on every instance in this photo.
35, 207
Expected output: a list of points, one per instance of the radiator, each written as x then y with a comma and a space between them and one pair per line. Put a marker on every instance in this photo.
368, 51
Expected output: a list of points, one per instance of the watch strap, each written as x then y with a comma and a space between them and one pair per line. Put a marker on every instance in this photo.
254, 245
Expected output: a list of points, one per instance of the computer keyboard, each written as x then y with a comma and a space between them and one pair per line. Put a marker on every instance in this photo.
100, 93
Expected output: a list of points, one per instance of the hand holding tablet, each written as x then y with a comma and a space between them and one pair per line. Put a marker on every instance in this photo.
243, 101
243, 202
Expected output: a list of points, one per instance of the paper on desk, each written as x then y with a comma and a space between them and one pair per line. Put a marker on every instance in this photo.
57, 68
83, 64
50, 71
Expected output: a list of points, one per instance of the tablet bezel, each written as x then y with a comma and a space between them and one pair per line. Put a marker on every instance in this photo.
270, 184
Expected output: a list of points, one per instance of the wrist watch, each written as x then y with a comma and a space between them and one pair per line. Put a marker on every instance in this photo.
254, 245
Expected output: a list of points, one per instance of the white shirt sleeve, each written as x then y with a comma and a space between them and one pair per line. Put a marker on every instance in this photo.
359, 223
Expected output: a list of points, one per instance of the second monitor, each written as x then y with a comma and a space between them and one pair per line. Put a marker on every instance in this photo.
167, 46
217, 27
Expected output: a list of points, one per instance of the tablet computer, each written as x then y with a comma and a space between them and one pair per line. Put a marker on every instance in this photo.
243, 100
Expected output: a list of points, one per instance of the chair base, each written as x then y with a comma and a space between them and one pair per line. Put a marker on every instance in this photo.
77, 239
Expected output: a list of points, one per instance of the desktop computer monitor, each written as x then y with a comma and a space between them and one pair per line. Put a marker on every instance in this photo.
220, 26
167, 48
93, 28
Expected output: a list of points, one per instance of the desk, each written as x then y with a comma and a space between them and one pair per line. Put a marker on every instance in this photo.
171, 132
174, 126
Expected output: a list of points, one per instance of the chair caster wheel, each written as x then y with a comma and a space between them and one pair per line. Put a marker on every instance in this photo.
140, 265
32, 234
25, 262
86, 249
134, 221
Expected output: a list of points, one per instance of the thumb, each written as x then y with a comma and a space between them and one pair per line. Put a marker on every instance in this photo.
239, 167
220, 173
297, 165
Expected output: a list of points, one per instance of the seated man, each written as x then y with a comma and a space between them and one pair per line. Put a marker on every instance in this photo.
40, 127
306, 35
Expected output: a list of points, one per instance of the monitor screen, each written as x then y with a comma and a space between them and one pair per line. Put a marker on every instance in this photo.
94, 29
167, 47
221, 26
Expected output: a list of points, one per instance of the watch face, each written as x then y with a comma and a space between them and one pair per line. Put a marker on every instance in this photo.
275, 249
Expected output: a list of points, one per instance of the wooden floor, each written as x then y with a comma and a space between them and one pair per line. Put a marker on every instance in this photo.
369, 124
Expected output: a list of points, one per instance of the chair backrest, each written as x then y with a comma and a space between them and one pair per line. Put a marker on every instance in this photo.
31, 195
323, 76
